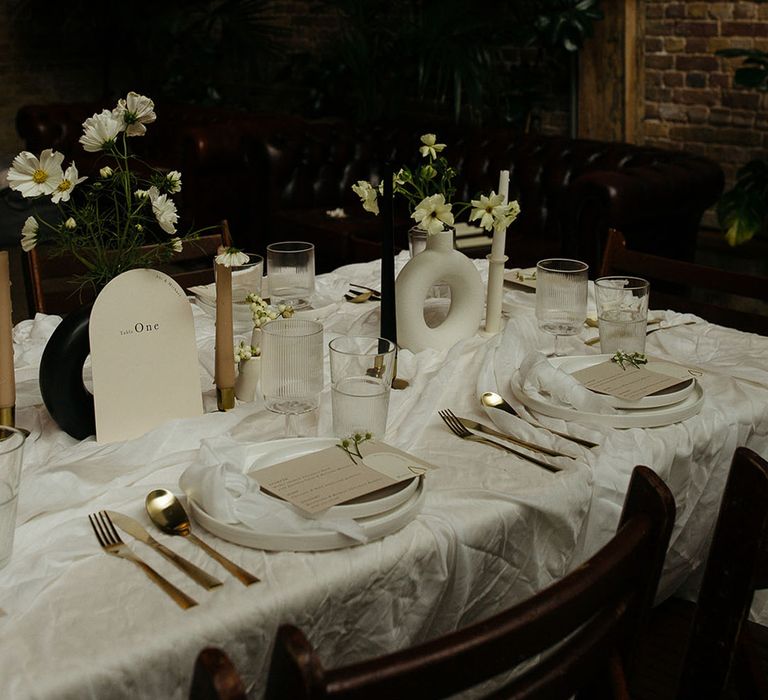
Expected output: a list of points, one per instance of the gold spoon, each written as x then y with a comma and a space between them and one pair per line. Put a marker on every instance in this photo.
492, 399
167, 512
358, 298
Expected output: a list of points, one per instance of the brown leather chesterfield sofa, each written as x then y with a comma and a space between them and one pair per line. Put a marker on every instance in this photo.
274, 177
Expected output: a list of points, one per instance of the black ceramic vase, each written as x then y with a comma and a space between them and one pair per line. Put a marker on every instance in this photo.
61, 376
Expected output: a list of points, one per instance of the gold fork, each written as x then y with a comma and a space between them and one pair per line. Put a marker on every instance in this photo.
458, 429
111, 543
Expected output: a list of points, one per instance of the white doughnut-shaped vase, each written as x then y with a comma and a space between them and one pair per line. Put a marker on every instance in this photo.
438, 263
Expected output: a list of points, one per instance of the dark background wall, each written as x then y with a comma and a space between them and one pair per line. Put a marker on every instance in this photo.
284, 56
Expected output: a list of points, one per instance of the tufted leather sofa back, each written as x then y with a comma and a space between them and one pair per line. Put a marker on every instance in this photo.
253, 169
569, 191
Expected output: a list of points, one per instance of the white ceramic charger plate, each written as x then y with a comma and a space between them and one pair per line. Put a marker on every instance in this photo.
380, 513
666, 397
625, 418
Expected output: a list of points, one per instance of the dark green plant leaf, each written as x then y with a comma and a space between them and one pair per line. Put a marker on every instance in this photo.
741, 213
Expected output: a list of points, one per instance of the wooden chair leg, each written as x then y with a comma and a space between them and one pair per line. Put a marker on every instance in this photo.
215, 678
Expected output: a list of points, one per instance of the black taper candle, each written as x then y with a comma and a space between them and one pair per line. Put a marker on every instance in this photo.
388, 315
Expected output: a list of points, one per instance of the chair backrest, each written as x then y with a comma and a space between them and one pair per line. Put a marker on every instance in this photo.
589, 618
52, 289
737, 565
215, 677
673, 280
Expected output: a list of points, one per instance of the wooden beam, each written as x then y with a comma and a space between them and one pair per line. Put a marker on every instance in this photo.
611, 85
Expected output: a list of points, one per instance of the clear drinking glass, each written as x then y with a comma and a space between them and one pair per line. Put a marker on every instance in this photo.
291, 271
561, 297
292, 366
622, 313
246, 278
361, 378
11, 449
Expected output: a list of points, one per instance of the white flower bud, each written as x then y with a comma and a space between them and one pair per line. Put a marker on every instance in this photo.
106, 171
70, 223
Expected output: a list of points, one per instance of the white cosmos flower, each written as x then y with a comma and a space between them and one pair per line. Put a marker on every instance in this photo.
367, 193
29, 234
430, 148
34, 176
174, 181
486, 209
176, 244
67, 184
99, 131
133, 113
231, 257
164, 210
432, 212
505, 216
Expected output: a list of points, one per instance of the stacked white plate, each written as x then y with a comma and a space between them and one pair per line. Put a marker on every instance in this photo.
672, 405
205, 298
379, 514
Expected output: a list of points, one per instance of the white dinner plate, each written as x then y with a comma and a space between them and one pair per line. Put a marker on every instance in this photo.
512, 277
625, 418
379, 514
205, 297
665, 397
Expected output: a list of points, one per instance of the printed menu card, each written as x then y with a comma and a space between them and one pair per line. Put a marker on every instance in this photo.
629, 382
317, 481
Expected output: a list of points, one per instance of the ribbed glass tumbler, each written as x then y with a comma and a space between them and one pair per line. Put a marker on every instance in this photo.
561, 297
292, 365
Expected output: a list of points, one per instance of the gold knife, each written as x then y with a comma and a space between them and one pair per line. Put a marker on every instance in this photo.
474, 425
137, 530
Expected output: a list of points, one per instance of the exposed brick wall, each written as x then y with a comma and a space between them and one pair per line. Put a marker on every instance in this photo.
690, 100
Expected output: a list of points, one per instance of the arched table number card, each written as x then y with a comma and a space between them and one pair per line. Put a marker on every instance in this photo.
143, 355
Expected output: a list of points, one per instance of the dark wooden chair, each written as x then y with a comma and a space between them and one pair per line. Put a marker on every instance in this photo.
587, 621
687, 287
51, 289
215, 677
690, 650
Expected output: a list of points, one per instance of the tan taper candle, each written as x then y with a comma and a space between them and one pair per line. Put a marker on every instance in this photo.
225, 340
7, 378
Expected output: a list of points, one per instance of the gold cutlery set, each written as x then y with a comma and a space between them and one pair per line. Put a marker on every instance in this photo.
468, 429
168, 514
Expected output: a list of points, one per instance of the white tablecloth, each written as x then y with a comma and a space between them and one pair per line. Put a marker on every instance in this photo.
493, 530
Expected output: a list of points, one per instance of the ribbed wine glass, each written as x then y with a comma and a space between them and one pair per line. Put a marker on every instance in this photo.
561, 297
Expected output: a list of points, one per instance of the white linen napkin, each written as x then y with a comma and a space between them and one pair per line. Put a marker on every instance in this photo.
217, 482
538, 376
